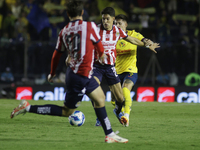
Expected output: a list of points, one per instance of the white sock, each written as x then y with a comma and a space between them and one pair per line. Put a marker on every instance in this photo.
28, 108
111, 134
126, 115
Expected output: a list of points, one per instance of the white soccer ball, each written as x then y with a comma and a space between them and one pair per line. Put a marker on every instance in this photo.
77, 118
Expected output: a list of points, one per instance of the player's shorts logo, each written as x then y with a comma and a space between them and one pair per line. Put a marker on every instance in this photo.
130, 75
78, 104
145, 94
24, 93
165, 94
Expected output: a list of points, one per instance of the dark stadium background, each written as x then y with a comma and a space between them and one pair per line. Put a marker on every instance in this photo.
29, 28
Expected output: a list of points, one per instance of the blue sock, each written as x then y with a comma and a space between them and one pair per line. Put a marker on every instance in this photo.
103, 118
49, 109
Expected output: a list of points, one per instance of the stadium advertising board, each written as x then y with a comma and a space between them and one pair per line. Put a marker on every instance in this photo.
145, 94
181, 94
188, 95
165, 94
24, 93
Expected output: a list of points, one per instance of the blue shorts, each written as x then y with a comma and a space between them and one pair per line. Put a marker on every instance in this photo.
128, 75
76, 87
108, 71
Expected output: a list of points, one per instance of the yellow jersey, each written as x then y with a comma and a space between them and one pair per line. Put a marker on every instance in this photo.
127, 54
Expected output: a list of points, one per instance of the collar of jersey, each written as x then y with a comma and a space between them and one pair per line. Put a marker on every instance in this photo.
75, 20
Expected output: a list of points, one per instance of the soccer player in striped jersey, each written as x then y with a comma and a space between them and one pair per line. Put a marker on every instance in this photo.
126, 63
110, 34
79, 39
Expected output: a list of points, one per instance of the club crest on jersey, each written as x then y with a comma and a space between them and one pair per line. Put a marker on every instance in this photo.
121, 44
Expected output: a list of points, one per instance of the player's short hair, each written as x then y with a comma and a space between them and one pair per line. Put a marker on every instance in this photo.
121, 16
74, 8
108, 10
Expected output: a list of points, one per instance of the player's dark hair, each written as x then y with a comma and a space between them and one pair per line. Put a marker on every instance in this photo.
74, 8
108, 10
121, 16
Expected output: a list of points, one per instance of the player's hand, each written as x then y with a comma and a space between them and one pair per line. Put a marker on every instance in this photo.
153, 46
147, 42
68, 59
50, 78
102, 58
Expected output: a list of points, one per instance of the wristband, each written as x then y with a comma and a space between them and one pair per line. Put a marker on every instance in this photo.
143, 39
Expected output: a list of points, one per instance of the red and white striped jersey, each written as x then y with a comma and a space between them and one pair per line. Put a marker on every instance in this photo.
78, 38
109, 40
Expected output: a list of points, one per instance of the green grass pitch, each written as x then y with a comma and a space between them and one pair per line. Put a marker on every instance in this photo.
153, 126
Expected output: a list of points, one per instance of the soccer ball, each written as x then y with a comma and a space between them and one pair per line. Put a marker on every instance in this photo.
77, 118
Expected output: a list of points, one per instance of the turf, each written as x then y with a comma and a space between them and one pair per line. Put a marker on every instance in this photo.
153, 126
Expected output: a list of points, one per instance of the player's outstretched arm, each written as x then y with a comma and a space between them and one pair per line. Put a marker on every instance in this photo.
134, 41
148, 43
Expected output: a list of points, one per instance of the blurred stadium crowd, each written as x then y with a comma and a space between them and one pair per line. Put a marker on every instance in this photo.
29, 29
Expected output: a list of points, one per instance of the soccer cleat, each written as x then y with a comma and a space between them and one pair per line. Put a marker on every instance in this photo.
98, 123
118, 115
125, 121
115, 139
20, 109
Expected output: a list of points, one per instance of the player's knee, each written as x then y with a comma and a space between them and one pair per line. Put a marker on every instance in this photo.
66, 112
100, 102
120, 98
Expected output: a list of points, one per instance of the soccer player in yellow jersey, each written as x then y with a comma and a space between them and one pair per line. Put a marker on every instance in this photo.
126, 63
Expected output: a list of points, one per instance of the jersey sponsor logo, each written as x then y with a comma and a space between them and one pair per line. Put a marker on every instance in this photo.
107, 51
24, 93
124, 52
165, 94
191, 97
145, 94
109, 43
107, 36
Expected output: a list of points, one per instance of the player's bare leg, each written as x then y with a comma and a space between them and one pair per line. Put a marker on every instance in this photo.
98, 97
116, 89
113, 99
66, 112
